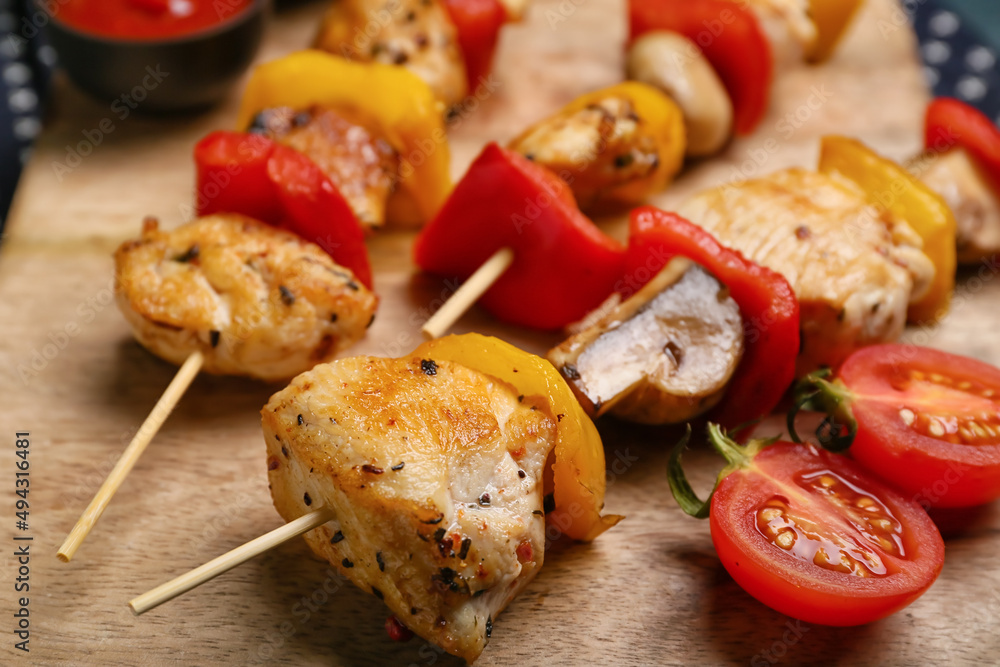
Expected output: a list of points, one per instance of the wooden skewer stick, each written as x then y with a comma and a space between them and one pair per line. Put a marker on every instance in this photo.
227, 561
162, 409
468, 293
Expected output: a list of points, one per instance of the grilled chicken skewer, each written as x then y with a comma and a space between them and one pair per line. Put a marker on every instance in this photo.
227, 295
420, 480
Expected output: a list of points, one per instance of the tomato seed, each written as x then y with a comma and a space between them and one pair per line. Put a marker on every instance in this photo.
769, 514
785, 539
907, 416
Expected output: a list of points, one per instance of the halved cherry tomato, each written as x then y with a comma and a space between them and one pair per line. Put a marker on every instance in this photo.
926, 421
812, 535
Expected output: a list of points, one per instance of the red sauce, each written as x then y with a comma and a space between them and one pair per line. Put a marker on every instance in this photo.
146, 19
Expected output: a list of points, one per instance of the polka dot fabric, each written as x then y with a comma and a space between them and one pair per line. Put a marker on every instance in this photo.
957, 61
25, 66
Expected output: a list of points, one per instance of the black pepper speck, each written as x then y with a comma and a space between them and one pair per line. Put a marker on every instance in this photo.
190, 255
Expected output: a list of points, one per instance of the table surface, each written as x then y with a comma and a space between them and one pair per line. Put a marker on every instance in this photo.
651, 591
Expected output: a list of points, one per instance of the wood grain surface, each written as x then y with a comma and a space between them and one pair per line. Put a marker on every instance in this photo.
651, 591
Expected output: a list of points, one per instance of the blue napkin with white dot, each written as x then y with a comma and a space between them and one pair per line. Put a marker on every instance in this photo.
957, 62
26, 63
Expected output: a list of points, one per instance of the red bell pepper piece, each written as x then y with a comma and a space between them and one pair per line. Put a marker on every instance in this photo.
767, 304
257, 177
949, 122
732, 40
478, 24
563, 266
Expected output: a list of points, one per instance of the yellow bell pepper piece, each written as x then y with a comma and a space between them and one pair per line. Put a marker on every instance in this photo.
395, 102
578, 470
890, 187
831, 18
659, 118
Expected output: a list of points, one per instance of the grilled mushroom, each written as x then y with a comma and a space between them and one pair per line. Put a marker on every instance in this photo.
663, 356
677, 66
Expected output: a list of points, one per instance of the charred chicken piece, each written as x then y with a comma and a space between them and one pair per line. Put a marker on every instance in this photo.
434, 472
854, 270
663, 356
362, 165
255, 300
416, 34
604, 151
955, 176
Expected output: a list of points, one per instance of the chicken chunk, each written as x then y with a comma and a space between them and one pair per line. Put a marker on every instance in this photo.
604, 151
434, 473
363, 166
788, 25
976, 206
664, 356
417, 34
855, 272
255, 300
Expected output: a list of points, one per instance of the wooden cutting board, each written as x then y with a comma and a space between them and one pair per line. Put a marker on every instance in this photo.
651, 591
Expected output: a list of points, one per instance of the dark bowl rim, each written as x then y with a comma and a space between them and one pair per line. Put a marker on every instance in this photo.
256, 8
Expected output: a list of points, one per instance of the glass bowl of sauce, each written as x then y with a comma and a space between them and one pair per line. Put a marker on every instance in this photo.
156, 55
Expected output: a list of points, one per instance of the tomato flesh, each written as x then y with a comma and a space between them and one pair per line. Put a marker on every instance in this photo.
811, 535
928, 422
